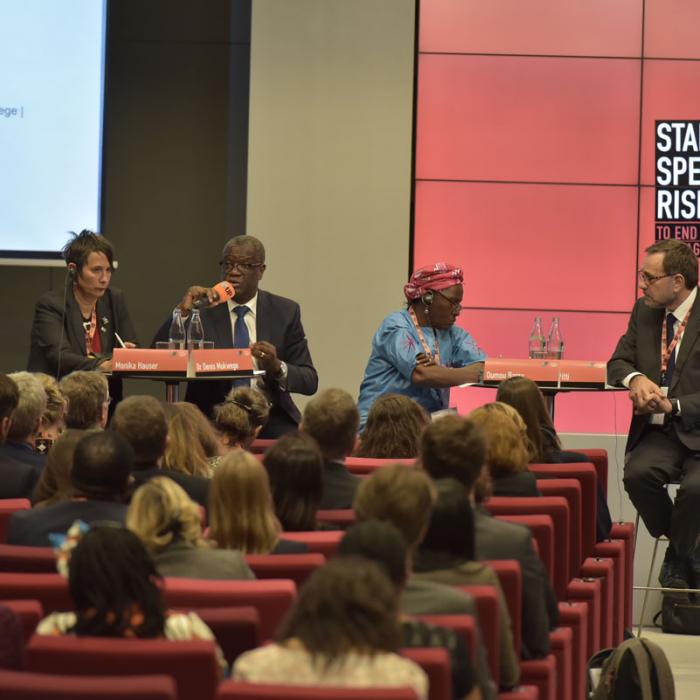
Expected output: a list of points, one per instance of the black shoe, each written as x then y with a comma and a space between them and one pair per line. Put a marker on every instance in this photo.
674, 571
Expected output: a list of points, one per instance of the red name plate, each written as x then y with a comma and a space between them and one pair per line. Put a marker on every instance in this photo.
582, 372
540, 371
222, 361
146, 360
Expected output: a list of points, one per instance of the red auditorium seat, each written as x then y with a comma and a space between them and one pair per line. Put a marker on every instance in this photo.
27, 559
541, 673
297, 567
522, 692
322, 541
8, 506
574, 615
599, 459
232, 690
51, 590
511, 580
366, 465
561, 645
436, 664
464, 625
29, 612
16, 685
192, 664
271, 598
261, 444
588, 591
603, 569
542, 529
341, 517
236, 629
624, 532
486, 600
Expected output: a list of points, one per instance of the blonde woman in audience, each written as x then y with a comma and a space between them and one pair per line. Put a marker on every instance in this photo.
507, 453
192, 442
168, 522
52, 421
117, 592
342, 631
241, 512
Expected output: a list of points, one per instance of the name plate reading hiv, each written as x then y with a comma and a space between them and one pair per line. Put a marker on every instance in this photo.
147, 361
222, 362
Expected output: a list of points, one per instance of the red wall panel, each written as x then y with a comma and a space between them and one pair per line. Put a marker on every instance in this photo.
671, 28
559, 27
532, 246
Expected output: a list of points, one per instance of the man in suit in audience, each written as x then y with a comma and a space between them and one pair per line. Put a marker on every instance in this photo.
102, 463
17, 479
26, 419
454, 447
141, 421
267, 323
332, 420
87, 398
658, 360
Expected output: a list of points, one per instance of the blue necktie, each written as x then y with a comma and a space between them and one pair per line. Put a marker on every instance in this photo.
241, 337
670, 320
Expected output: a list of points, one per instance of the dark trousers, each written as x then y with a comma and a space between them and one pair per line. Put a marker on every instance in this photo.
657, 459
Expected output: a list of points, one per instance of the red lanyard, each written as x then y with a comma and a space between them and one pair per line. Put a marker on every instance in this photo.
90, 328
421, 337
666, 351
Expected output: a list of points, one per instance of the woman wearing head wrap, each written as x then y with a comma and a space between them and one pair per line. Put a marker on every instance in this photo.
418, 351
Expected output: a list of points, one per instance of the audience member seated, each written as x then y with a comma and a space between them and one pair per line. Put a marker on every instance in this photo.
55, 484
525, 396
240, 418
446, 555
241, 514
383, 544
87, 399
26, 419
141, 420
168, 522
116, 591
17, 479
295, 469
53, 420
332, 419
506, 451
102, 463
342, 631
393, 428
454, 447
192, 442
404, 496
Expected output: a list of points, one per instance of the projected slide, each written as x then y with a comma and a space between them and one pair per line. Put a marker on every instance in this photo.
51, 100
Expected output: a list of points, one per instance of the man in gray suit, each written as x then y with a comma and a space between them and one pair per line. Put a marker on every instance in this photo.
658, 360
454, 447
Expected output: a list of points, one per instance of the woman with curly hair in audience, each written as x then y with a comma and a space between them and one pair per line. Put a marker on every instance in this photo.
241, 511
168, 522
507, 453
192, 442
393, 429
52, 423
525, 396
342, 631
240, 418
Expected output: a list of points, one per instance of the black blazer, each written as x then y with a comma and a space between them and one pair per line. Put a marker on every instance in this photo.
17, 479
639, 350
339, 486
519, 484
278, 321
196, 487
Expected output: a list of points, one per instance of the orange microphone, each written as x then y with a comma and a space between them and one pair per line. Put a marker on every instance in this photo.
221, 292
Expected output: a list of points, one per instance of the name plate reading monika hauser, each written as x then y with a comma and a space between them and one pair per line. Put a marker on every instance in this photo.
221, 362
148, 361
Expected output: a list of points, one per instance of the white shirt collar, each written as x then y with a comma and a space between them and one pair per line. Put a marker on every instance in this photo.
252, 304
682, 309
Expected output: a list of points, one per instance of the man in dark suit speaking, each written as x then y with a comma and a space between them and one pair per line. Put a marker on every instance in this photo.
658, 360
267, 323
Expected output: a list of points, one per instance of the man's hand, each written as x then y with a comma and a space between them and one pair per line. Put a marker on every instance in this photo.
647, 397
191, 295
105, 366
266, 355
424, 360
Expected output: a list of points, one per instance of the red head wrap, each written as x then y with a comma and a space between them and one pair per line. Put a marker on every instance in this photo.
441, 275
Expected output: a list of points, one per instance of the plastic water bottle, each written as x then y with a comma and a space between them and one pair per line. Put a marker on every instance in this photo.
176, 334
536, 341
195, 332
555, 341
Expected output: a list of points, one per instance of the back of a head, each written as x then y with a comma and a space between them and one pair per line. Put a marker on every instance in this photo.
506, 449
30, 407
234, 424
451, 527
393, 429
111, 579
241, 514
332, 419
254, 402
55, 402
102, 463
160, 512
9, 398
141, 420
86, 395
55, 483
453, 446
380, 542
294, 466
191, 440
348, 605
398, 494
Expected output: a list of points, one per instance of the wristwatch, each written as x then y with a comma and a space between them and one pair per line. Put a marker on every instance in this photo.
675, 407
